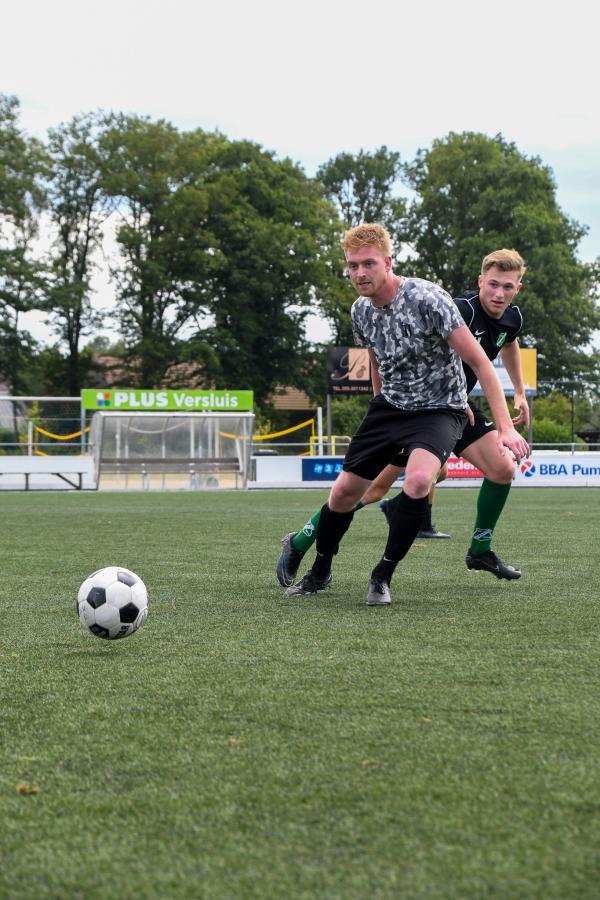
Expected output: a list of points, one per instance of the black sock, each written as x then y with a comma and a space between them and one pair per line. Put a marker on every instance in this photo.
407, 519
426, 524
384, 569
392, 502
332, 528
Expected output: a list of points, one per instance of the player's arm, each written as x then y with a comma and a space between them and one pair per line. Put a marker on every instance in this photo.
511, 357
375, 377
462, 341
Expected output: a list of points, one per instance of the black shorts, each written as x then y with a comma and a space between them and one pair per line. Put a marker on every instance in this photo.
472, 433
399, 459
388, 435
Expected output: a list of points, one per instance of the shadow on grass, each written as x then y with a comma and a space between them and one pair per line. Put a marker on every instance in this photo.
100, 652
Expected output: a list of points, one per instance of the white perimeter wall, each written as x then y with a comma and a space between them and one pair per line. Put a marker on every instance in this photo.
545, 468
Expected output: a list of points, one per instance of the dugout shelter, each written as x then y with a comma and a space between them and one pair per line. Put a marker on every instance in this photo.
138, 442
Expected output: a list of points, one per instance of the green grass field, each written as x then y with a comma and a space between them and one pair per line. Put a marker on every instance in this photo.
244, 745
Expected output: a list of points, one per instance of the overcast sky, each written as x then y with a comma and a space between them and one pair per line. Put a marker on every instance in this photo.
314, 79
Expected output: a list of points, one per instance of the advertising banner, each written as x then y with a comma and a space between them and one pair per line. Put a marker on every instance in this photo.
462, 468
139, 400
545, 468
552, 469
348, 370
315, 468
327, 468
528, 369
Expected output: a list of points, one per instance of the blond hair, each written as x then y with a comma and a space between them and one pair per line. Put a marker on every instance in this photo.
506, 261
367, 235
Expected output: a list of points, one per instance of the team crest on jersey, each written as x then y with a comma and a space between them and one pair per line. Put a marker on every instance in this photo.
501, 339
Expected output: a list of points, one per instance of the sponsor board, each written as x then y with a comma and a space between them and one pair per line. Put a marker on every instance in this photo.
550, 469
528, 370
321, 468
134, 400
327, 468
545, 468
348, 370
462, 468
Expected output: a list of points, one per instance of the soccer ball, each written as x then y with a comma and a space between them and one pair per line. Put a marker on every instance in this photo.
112, 603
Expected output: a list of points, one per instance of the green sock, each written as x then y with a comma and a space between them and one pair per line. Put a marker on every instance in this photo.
305, 538
490, 503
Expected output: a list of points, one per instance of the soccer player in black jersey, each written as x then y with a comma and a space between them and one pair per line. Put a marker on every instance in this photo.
495, 321
412, 334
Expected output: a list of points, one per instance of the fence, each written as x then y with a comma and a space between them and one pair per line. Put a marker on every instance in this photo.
42, 426
48, 426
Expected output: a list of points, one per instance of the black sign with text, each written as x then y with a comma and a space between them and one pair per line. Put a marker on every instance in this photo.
348, 370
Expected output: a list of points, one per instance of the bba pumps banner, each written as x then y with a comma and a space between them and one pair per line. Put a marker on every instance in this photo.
550, 469
130, 400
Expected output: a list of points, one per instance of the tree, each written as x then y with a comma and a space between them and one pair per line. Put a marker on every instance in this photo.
77, 209
476, 194
548, 431
275, 233
348, 412
157, 176
568, 408
362, 187
22, 163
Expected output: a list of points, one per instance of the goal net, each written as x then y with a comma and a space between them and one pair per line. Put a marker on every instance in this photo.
171, 451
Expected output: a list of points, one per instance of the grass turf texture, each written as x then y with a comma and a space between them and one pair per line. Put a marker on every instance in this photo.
247, 745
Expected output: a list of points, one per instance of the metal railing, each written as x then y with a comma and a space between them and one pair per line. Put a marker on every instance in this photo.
31, 444
40, 426
33, 440
574, 447
28, 427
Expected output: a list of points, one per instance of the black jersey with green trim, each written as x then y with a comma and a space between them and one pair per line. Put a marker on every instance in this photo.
490, 333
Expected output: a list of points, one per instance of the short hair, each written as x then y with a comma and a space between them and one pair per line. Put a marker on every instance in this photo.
506, 261
367, 235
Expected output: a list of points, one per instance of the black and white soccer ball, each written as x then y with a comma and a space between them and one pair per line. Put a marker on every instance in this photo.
112, 603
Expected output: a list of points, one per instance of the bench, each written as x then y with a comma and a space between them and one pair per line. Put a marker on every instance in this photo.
68, 469
202, 471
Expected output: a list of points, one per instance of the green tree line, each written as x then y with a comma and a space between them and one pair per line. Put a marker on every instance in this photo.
223, 250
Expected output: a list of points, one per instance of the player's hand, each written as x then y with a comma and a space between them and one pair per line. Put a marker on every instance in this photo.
512, 440
470, 415
520, 403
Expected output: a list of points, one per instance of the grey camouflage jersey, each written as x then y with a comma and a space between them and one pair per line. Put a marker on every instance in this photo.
418, 368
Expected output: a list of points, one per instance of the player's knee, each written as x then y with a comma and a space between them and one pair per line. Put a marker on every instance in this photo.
417, 484
502, 471
344, 495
